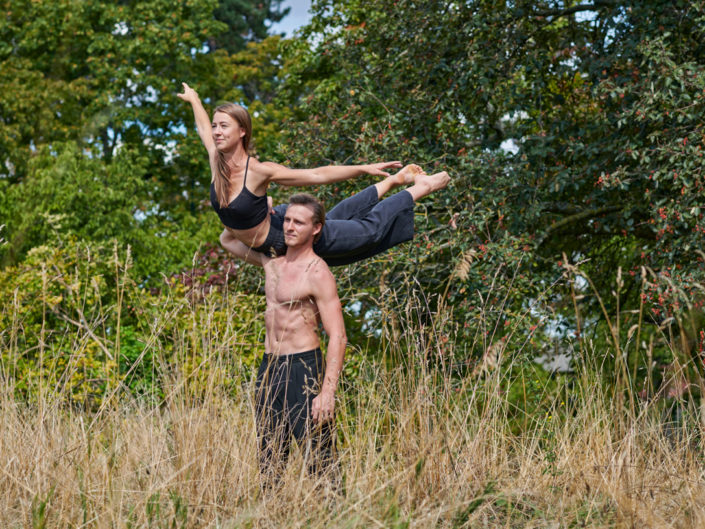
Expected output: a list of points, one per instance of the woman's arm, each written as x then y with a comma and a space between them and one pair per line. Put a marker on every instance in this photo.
203, 121
240, 250
324, 175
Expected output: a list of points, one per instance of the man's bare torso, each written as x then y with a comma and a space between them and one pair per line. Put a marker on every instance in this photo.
291, 317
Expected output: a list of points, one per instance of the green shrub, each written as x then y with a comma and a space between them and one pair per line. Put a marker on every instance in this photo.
74, 323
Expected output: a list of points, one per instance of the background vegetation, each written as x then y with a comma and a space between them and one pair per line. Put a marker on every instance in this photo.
573, 227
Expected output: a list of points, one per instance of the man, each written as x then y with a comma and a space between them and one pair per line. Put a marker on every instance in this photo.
291, 399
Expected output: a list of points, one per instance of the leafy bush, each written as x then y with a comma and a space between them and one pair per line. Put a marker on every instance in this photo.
74, 323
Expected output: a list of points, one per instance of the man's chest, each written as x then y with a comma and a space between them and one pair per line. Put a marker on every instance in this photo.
286, 287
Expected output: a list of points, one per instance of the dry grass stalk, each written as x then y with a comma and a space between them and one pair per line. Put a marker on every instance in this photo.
415, 449
419, 448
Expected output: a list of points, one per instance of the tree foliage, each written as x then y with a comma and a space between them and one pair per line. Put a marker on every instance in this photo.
89, 123
572, 131
74, 321
103, 73
247, 21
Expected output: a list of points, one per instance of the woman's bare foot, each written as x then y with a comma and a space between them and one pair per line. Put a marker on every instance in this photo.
407, 175
426, 184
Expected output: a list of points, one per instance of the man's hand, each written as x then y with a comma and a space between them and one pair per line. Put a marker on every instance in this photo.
378, 169
323, 407
269, 206
189, 95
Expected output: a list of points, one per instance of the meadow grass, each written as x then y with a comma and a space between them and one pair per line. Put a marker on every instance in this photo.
419, 446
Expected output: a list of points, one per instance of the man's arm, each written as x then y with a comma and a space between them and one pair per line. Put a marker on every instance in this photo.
325, 293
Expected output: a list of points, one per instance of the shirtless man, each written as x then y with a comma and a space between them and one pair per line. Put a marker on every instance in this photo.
291, 399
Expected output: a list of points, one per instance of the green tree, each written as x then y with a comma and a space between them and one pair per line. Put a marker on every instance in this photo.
68, 195
75, 317
88, 90
247, 21
568, 128
103, 73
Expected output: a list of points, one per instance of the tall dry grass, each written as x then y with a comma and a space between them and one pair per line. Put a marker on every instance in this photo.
418, 448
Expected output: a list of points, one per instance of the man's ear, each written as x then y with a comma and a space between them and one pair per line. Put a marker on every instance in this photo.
317, 228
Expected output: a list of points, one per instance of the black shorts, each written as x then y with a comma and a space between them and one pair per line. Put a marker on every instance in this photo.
285, 388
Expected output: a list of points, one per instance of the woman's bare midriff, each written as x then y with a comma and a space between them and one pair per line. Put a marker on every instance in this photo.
253, 237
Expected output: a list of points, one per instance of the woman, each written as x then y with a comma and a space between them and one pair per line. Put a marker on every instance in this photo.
358, 227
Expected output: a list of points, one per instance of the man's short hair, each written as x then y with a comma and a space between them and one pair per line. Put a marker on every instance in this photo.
312, 203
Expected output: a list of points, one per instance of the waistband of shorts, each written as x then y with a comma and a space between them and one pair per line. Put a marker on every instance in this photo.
304, 355
267, 247
274, 242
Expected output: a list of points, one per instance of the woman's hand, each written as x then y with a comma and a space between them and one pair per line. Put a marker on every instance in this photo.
378, 169
189, 95
203, 123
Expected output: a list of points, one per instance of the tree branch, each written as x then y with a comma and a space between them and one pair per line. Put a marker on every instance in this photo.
577, 217
562, 208
557, 13
576, 9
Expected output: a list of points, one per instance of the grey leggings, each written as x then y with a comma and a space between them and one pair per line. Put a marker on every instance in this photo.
358, 227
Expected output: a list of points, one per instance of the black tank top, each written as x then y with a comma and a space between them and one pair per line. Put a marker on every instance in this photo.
246, 210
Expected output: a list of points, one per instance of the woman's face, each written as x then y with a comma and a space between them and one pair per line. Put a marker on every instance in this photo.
227, 133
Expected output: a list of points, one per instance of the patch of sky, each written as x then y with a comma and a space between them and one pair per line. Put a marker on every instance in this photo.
354, 307
121, 28
181, 130
559, 328
370, 319
10, 167
511, 145
585, 16
168, 148
556, 361
591, 16
141, 216
299, 15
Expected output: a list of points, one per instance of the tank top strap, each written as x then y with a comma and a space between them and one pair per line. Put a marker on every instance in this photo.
247, 165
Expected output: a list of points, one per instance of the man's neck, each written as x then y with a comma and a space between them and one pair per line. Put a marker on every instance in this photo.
299, 253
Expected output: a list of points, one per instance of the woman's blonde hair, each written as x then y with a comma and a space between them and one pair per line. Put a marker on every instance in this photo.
222, 173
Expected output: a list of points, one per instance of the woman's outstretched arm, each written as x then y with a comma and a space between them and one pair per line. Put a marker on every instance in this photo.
203, 121
327, 174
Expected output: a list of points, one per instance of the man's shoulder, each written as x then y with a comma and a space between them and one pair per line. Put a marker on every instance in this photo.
319, 267
271, 262
320, 277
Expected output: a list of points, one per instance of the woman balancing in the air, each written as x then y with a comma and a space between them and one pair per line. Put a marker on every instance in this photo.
358, 227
